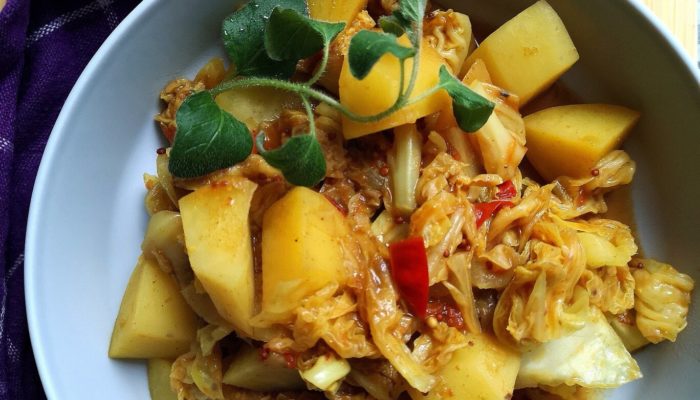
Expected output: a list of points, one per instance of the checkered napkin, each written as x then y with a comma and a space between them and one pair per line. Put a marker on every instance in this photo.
44, 46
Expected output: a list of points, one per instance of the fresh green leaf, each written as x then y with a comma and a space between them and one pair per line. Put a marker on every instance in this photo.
293, 36
367, 47
300, 159
411, 11
243, 33
407, 17
207, 138
392, 24
470, 109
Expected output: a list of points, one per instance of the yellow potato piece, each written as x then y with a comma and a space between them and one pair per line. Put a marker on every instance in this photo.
212, 73
529, 52
250, 371
477, 72
217, 237
484, 370
154, 320
570, 140
379, 89
254, 105
335, 10
301, 249
159, 379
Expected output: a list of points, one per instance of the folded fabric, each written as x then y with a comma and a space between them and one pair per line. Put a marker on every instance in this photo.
44, 46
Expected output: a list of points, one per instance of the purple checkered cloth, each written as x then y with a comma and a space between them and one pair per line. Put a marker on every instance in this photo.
44, 46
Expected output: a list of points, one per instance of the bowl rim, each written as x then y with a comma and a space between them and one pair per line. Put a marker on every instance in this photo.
31, 269
39, 195
664, 33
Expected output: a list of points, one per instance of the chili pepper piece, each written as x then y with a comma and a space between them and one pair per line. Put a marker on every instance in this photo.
484, 211
506, 191
409, 268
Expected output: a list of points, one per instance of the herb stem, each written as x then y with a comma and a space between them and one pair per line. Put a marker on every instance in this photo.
321, 67
402, 81
302, 89
416, 41
306, 91
309, 115
299, 88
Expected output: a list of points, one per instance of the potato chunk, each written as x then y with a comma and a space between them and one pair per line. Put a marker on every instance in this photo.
254, 105
154, 320
570, 140
484, 370
159, 379
335, 10
379, 89
529, 52
301, 249
249, 370
217, 237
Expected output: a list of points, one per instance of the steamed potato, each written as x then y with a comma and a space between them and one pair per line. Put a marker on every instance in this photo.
154, 320
249, 370
255, 105
483, 370
529, 52
570, 140
379, 89
159, 379
301, 249
217, 237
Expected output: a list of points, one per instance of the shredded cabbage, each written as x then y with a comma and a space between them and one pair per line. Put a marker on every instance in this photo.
195, 376
662, 300
610, 288
450, 33
543, 302
333, 318
460, 287
327, 372
573, 198
385, 319
592, 357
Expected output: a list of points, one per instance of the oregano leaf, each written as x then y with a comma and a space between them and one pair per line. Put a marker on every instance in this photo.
207, 139
243, 34
470, 109
292, 36
412, 10
367, 47
300, 159
409, 13
392, 24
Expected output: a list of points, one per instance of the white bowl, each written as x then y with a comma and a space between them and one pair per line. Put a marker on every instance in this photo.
87, 218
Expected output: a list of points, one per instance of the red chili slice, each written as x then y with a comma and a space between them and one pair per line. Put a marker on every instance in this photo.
506, 191
484, 211
409, 267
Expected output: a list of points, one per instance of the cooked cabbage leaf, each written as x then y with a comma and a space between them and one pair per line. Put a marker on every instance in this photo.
450, 33
662, 300
543, 302
610, 288
593, 357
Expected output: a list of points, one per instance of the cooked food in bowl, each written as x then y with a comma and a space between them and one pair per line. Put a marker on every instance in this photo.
357, 208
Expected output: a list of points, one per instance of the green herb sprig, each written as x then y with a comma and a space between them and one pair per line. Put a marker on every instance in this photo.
264, 40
